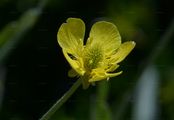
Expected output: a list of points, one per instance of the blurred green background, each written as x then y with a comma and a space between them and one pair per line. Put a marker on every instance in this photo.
33, 70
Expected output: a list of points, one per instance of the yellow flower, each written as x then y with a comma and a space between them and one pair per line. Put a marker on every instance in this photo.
99, 57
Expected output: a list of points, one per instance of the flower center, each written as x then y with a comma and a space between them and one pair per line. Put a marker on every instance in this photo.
92, 57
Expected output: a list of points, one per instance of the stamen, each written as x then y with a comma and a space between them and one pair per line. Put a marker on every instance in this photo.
92, 57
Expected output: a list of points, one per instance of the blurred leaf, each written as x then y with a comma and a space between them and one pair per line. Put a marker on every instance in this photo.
132, 20
101, 110
23, 5
12, 33
146, 95
167, 92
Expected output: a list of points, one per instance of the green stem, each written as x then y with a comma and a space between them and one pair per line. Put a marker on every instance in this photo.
61, 101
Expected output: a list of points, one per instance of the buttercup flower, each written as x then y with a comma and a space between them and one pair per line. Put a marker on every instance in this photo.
99, 57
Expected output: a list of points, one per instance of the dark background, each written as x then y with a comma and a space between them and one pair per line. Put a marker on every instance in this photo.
34, 72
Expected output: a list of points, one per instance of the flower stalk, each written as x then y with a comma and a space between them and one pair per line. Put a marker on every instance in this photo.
61, 101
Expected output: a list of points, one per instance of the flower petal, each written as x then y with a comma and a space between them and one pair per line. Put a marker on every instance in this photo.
106, 35
77, 65
122, 52
100, 74
71, 34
